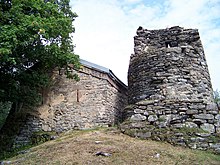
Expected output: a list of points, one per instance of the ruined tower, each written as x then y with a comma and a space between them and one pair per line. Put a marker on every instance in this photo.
169, 64
169, 87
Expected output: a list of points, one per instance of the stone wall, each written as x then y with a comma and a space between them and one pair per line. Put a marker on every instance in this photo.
96, 100
169, 90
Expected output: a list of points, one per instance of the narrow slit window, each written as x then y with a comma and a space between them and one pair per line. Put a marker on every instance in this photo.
183, 50
167, 44
77, 95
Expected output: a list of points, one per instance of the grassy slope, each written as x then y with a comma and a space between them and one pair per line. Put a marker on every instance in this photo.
79, 147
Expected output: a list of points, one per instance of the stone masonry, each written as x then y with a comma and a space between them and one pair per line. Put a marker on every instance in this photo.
95, 101
169, 90
169, 97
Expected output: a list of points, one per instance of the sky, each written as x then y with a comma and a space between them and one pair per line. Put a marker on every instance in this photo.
105, 29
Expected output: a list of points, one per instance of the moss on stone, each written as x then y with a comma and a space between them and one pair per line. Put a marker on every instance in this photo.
161, 119
190, 131
214, 139
129, 107
41, 137
130, 132
145, 102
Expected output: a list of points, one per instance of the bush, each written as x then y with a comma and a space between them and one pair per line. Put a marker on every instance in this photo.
4, 111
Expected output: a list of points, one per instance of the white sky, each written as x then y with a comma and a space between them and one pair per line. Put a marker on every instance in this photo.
105, 29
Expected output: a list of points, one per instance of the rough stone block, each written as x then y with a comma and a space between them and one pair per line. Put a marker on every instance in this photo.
192, 145
178, 125
191, 125
138, 124
208, 127
145, 102
152, 118
211, 106
138, 117
217, 117
146, 113
203, 134
215, 145
217, 129
143, 135
137, 110
204, 116
199, 121
218, 105
191, 111
214, 112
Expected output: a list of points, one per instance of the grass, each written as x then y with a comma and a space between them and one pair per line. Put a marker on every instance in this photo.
79, 147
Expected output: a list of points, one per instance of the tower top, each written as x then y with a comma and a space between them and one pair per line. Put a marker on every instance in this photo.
165, 38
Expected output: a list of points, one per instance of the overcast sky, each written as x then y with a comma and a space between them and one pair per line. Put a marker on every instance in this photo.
105, 29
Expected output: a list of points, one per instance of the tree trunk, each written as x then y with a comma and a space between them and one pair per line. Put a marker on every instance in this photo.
11, 127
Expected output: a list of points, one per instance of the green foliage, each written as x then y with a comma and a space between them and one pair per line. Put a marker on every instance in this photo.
4, 110
216, 96
190, 131
36, 139
41, 137
8, 154
35, 37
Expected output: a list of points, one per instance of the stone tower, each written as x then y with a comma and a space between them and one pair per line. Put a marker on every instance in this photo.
169, 87
169, 64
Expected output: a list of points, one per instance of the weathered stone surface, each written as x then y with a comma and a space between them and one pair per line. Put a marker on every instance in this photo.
218, 105
217, 117
146, 113
152, 118
168, 75
217, 129
178, 125
199, 121
215, 146
192, 112
204, 116
212, 106
203, 134
143, 135
138, 110
101, 153
208, 127
170, 94
192, 145
164, 120
138, 117
96, 100
145, 102
191, 125
138, 125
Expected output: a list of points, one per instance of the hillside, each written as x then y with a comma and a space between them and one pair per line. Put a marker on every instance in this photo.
81, 147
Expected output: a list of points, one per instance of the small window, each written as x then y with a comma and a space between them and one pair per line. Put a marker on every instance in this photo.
77, 95
167, 44
183, 50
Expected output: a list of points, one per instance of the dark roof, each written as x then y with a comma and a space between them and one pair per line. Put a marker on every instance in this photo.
104, 70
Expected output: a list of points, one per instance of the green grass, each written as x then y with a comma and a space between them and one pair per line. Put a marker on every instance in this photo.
79, 147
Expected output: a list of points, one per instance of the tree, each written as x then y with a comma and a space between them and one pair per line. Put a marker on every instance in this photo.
4, 110
216, 96
35, 37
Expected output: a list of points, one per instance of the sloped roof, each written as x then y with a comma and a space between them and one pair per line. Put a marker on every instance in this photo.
104, 70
